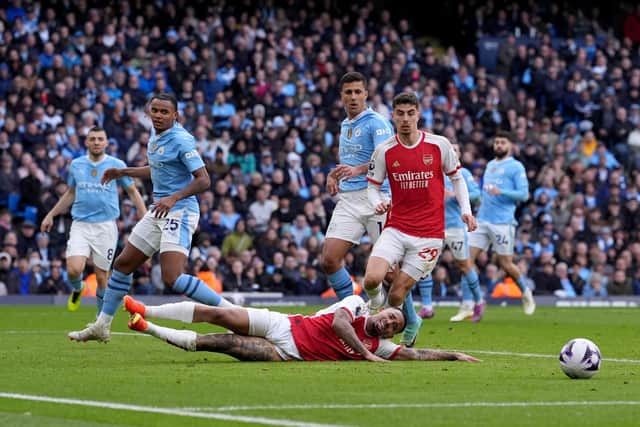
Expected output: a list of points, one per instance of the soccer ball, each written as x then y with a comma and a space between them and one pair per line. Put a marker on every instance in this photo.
580, 358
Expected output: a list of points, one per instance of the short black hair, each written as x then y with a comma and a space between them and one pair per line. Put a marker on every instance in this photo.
352, 76
96, 129
163, 96
406, 98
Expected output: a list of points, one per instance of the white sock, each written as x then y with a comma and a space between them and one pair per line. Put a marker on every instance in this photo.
182, 311
183, 339
104, 319
373, 292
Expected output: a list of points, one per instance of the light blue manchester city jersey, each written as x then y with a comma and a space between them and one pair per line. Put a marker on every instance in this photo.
358, 138
172, 159
510, 177
95, 202
453, 213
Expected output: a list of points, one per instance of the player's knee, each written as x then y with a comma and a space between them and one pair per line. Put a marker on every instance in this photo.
169, 278
371, 280
74, 271
329, 264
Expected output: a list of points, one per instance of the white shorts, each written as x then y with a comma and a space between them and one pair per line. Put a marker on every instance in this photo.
457, 240
419, 255
352, 216
170, 234
275, 328
97, 240
500, 236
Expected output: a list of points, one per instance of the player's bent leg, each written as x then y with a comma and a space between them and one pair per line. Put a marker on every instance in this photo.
185, 340
172, 263
235, 319
333, 252
250, 349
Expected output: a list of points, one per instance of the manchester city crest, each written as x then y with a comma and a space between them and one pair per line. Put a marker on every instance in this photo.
94, 172
161, 150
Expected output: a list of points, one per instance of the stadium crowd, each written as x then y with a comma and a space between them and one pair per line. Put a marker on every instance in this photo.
256, 85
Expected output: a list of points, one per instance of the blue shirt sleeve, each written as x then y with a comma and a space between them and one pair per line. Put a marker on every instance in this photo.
71, 179
380, 130
125, 181
189, 155
521, 184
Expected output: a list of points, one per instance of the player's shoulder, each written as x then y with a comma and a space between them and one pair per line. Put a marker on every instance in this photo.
387, 144
466, 172
439, 140
81, 161
112, 160
181, 133
515, 163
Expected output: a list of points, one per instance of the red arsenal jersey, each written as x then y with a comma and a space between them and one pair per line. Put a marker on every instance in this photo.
416, 178
315, 339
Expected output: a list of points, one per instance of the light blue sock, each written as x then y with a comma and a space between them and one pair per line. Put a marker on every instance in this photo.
473, 283
425, 285
117, 287
76, 283
471, 287
340, 281
521, 284
408, 309
196, 289
99, 299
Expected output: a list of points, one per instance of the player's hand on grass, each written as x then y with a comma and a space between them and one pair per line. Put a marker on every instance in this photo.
111, 174
466, 358
162, 207
373, 358
471, 221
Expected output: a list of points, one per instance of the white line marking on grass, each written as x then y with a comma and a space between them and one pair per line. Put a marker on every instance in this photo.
417, 405
130, 334
496, 353
166, 411
548, 356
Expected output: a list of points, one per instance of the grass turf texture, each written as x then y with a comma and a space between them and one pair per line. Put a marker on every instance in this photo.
37, 359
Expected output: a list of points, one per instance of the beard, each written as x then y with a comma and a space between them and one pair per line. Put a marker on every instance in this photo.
501, 153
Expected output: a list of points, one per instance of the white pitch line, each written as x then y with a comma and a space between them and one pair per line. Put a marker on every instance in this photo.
416, 405
548, 356
166, 411
491, 352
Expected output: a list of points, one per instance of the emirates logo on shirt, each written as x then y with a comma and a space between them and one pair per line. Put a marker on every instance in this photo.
427, 159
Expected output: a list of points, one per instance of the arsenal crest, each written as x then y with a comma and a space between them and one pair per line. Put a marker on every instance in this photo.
349, 132
427, 159
94, 172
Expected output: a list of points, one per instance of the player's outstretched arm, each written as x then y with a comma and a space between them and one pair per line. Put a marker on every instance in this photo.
426, 355
63, 205
249, 349
110, 174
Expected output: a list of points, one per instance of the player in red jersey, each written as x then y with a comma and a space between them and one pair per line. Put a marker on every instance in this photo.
415, 163
343, 331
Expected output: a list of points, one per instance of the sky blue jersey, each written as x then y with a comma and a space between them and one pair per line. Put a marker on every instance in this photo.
452, 212
172, 158
358, 138
510, 177
95, 202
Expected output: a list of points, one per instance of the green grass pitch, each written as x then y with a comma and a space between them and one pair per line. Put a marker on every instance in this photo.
135, 380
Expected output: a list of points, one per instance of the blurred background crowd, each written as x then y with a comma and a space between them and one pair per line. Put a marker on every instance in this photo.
257, 86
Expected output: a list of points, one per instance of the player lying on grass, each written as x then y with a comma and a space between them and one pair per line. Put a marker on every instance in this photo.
343, 331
